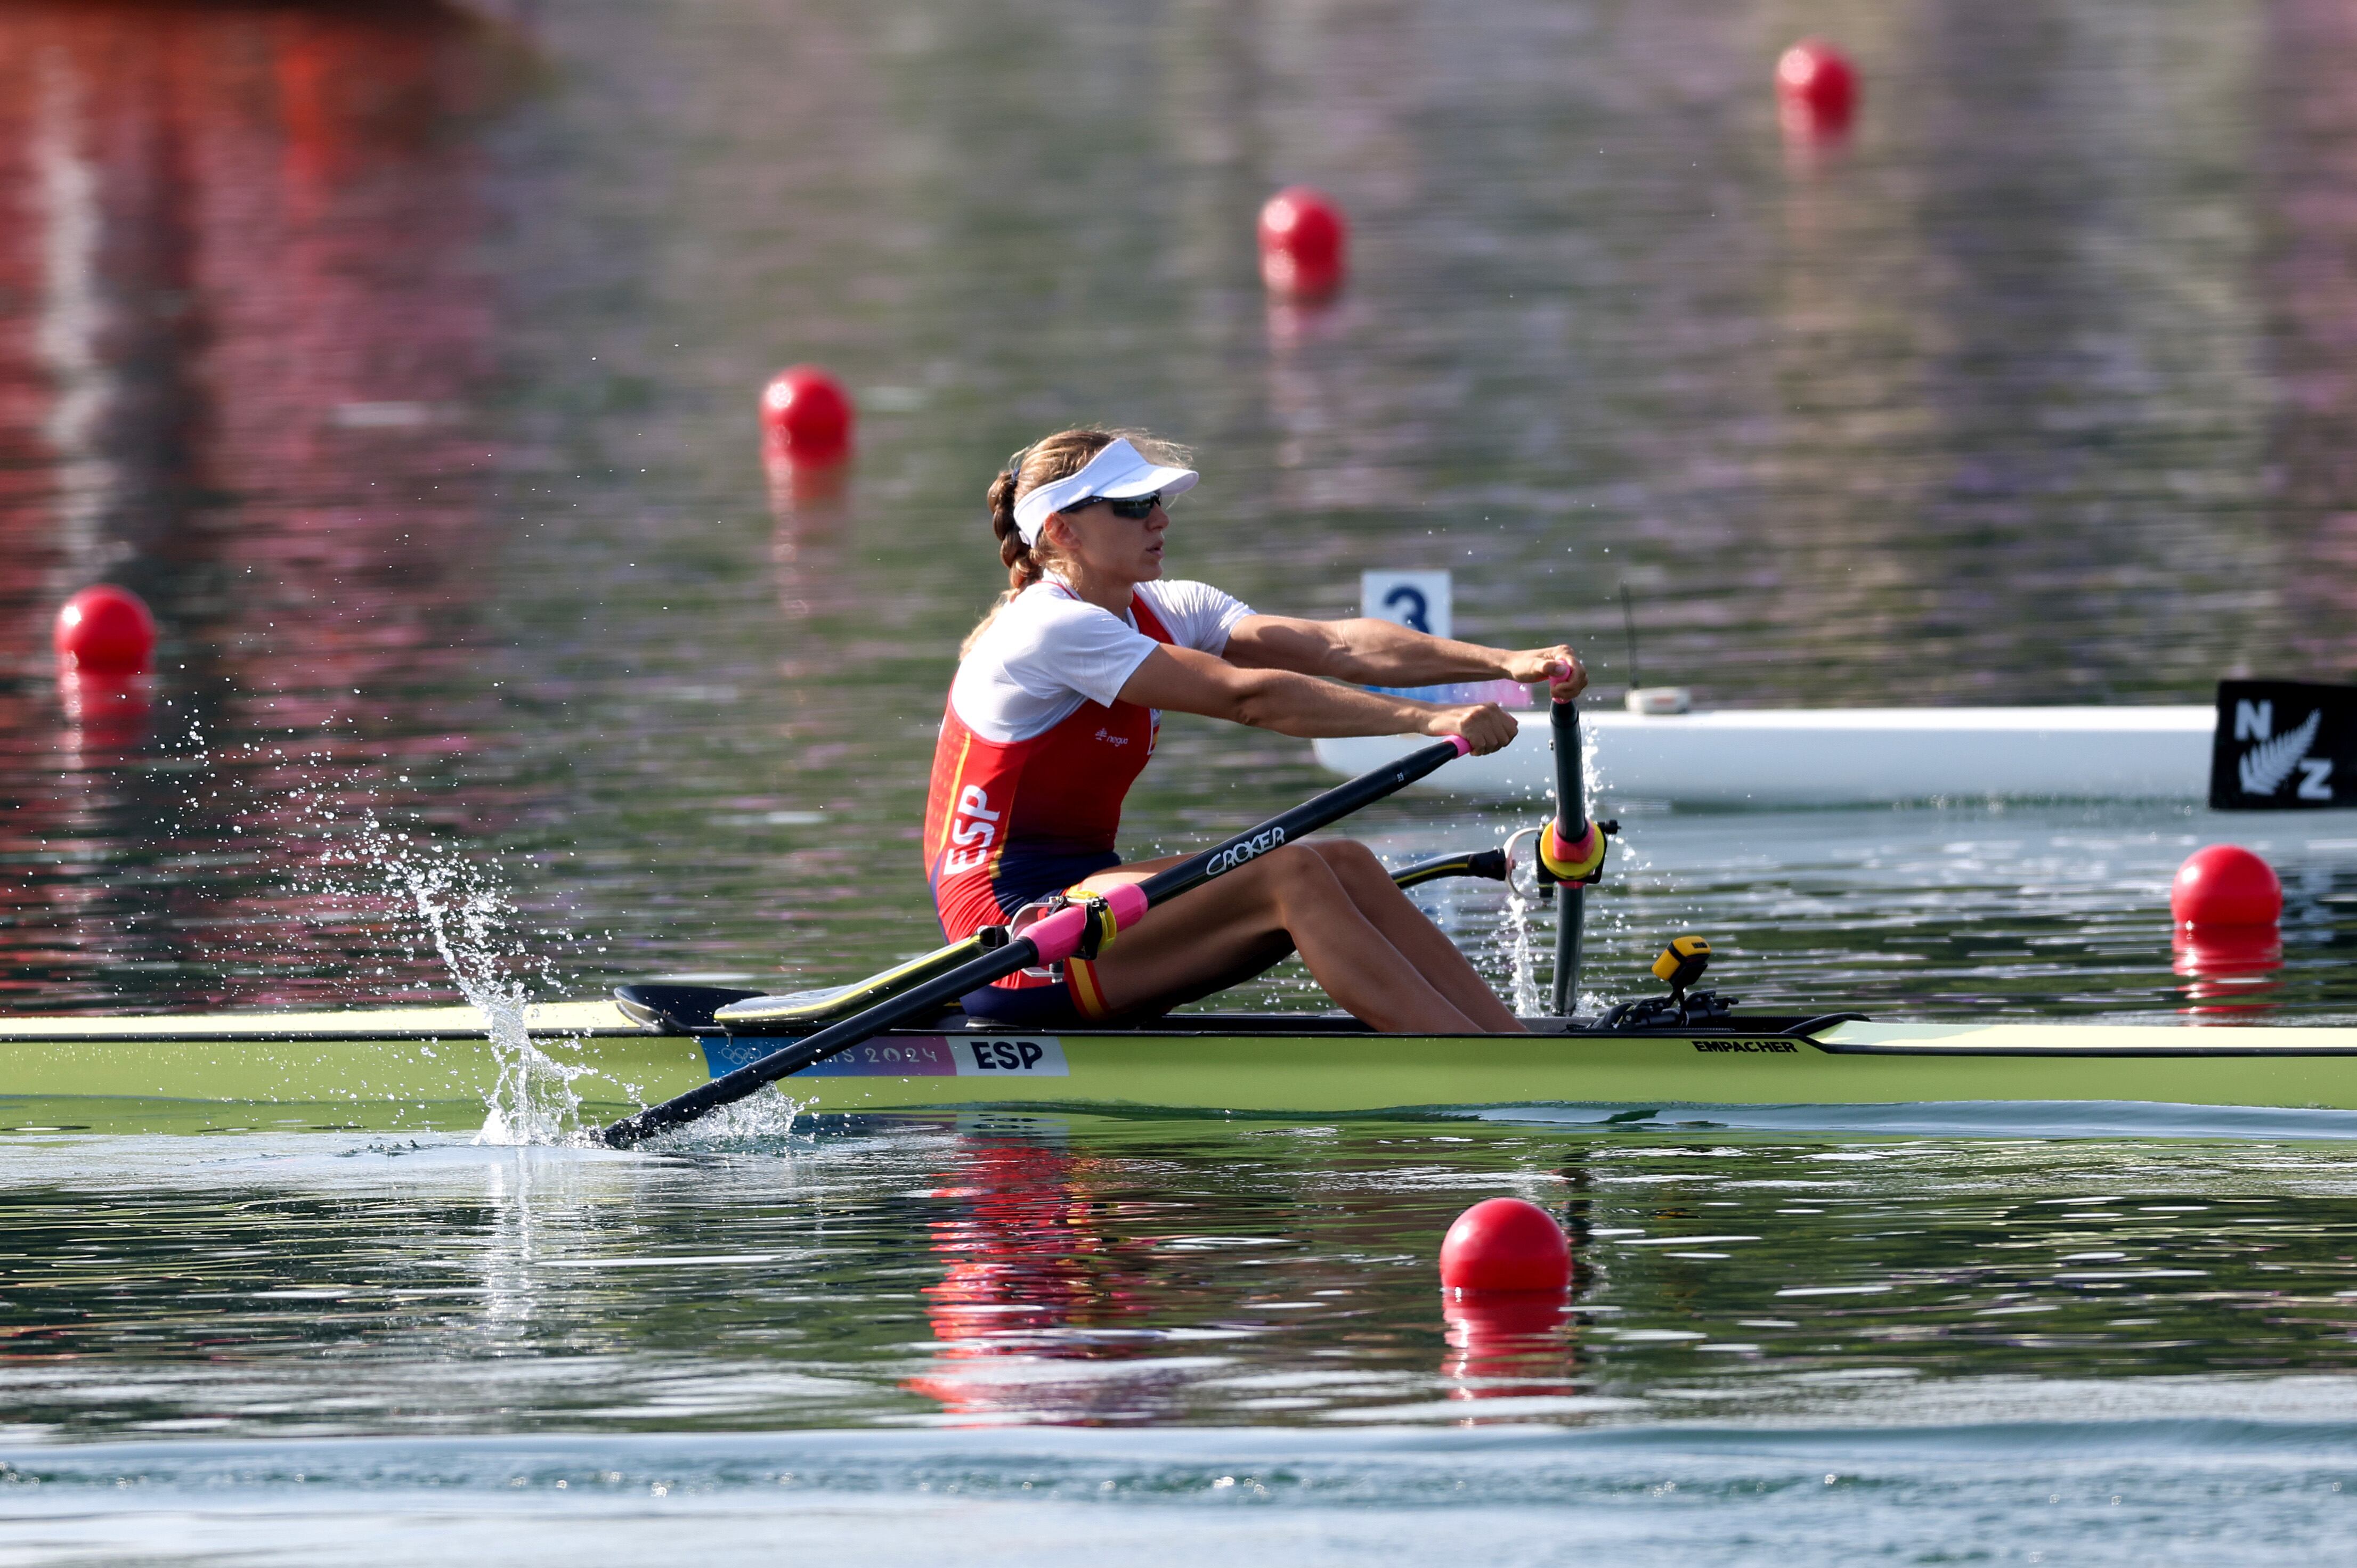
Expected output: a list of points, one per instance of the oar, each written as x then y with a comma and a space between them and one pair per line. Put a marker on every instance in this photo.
1050, 941
1571, 855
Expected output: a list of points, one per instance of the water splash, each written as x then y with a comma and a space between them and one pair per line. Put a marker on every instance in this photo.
755, 1123
1519, 937
355, 862
469, 919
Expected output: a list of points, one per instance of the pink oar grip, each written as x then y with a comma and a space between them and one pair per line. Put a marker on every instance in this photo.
1060, 935
1128, 902
1463, 747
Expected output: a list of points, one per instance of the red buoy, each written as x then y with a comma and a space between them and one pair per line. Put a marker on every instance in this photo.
806, 415
2225, 884
105, 630
1304, 243
1504, 1243
1816, 86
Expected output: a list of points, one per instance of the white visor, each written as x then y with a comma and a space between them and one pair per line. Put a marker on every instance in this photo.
1116, 473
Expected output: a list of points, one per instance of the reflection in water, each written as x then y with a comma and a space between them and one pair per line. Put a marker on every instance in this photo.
1508, 1345
2231, 972
311, 1325
810, 517
508, 1262
2029, 395
2306, 157
107, 717
245, 274
315, 1284
1035, 1291
111, 329
239, 380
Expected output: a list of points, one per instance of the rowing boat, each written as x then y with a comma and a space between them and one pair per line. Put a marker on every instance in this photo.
439, 1067
667, 1055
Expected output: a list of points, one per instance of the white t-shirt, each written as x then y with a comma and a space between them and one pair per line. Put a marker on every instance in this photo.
1052, 650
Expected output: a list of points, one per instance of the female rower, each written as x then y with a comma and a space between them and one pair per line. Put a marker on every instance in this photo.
1055, 709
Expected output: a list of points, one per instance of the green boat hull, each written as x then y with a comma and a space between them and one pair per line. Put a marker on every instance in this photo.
438, 1067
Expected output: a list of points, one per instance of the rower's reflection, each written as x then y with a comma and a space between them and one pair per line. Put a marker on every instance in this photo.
1033, 1287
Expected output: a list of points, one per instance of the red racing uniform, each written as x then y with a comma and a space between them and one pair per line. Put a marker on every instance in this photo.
1037, 754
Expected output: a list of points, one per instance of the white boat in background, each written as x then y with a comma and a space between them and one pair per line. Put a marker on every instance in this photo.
2262, 746
1736, 757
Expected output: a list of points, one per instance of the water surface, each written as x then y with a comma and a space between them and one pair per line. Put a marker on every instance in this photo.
407, 363
2010, 1336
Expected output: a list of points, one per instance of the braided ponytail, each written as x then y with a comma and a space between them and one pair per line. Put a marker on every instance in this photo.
1022, 568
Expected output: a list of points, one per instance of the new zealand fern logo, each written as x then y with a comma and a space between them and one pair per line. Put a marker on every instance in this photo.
2270, 763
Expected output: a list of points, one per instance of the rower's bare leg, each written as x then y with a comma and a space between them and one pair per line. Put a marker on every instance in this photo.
1411, 931
1292, 891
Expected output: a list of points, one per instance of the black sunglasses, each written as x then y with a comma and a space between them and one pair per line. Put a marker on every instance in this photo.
1134, 508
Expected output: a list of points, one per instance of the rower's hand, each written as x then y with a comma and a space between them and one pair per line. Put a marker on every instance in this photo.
1486, 726
1558, 666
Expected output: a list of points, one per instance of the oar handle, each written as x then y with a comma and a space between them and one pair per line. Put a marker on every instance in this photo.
1052, 940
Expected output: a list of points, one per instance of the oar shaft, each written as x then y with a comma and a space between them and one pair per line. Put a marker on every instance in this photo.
1307, 818
1021, 953
1569, 831
1570, 934
1571, 822
1052, 940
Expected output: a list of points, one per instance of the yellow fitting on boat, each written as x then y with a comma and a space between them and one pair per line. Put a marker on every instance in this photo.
1683, 962
1582, 862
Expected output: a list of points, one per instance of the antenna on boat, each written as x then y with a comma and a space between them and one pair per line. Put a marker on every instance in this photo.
1661, 699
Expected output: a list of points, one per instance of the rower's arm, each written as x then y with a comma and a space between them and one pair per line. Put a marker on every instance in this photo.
1185, 680
1378, 653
